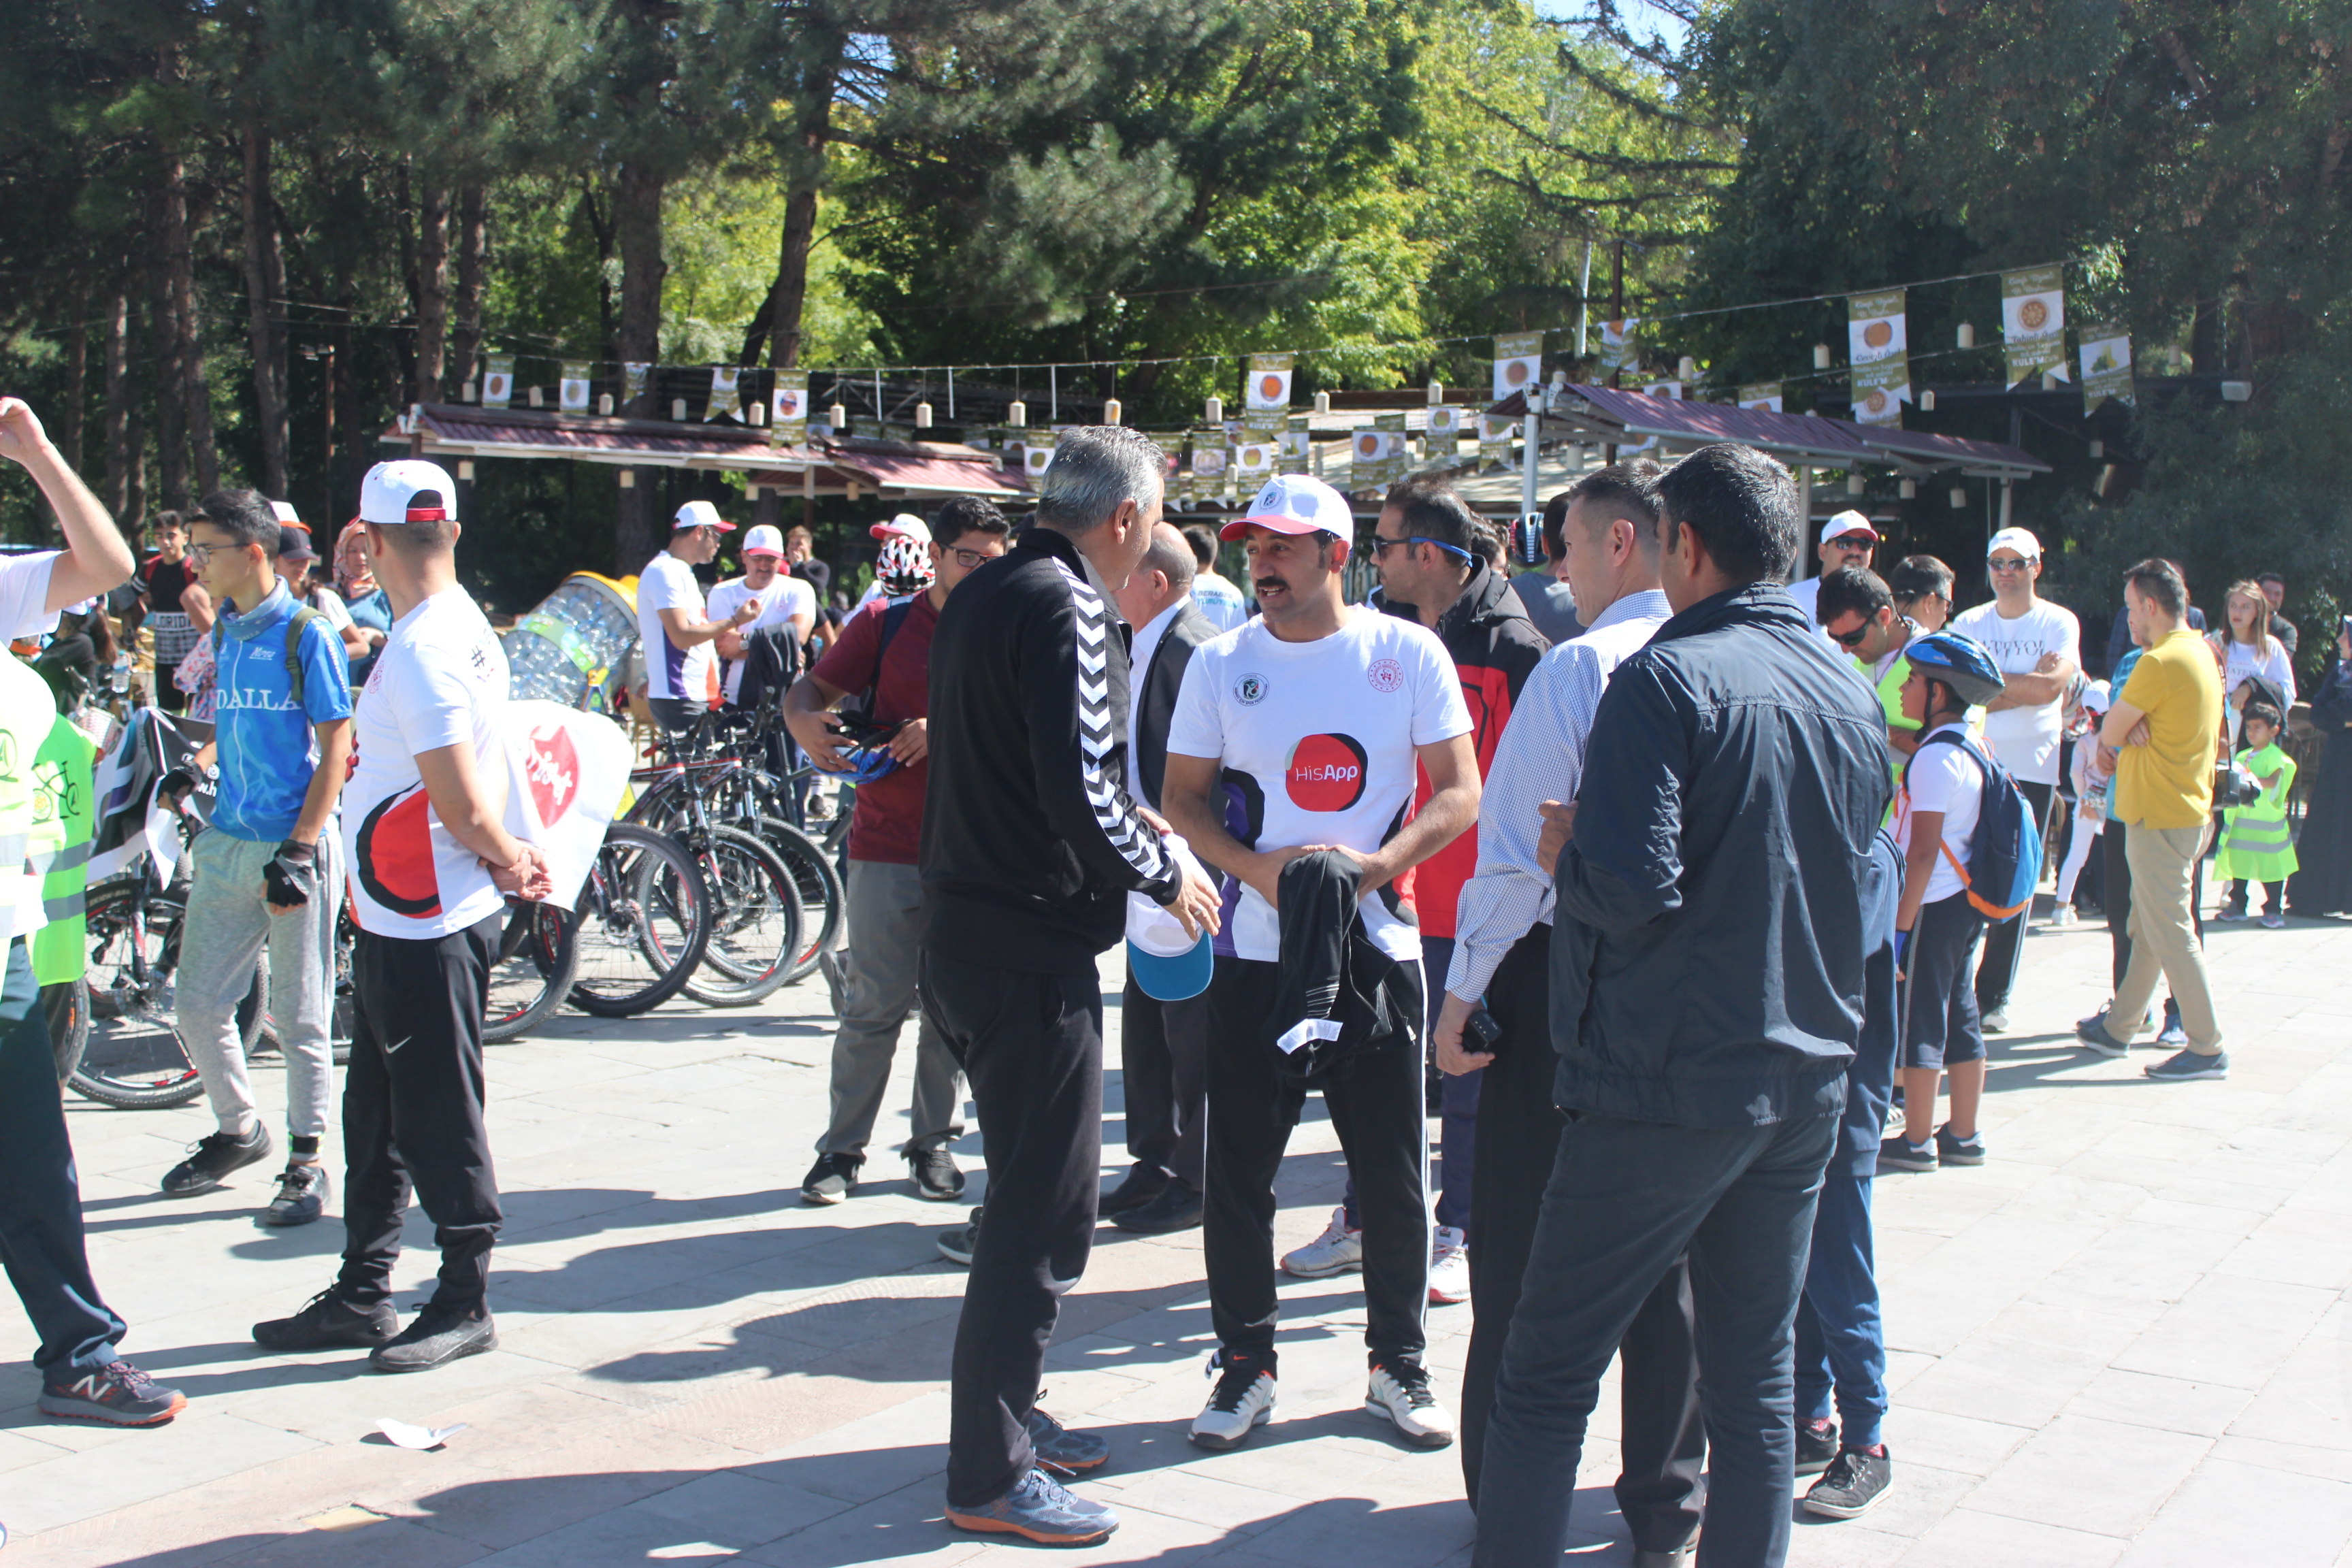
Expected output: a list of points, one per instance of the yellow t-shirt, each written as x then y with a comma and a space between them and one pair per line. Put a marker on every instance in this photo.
2168, 782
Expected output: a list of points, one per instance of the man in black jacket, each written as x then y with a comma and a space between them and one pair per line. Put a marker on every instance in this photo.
1163, 1046
1030, 847
1707, 998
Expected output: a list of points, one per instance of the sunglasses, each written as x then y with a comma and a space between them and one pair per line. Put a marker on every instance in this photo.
1852, 639
1381, 546
2007, 564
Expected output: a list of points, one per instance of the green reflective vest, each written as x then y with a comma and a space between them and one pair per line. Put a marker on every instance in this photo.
64, 819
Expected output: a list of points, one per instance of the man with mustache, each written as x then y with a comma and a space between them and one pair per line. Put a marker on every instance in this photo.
1308, 723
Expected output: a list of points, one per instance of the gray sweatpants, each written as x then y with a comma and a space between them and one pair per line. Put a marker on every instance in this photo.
884, 916
220, 944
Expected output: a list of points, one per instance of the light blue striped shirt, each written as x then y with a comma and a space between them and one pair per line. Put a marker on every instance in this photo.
1541, 758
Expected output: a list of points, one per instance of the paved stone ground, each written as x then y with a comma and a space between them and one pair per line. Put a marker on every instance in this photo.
2121, 1341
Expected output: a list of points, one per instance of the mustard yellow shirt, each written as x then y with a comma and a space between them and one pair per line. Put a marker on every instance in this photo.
2168, 782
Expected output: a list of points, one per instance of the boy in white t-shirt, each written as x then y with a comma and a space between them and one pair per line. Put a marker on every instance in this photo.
1936, 926
1308, 722
681, 667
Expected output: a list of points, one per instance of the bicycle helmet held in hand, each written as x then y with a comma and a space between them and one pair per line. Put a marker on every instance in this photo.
903, 566
1959, 662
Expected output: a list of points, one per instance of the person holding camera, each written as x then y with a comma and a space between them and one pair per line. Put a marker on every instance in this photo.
884, 652
1500, 976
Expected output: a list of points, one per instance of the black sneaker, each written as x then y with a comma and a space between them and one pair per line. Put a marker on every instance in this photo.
956, 1244
328, 1320
935, 1174
1952, 1150
212, 1159
1178, 1207
116, 1394
1817, 1445
2093, 1031
302, 1189
1143, 1183
2184, 1065
1854, 1483
1895, 1154
833, 1178
437, 1336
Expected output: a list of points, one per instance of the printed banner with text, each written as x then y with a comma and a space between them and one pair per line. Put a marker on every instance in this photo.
2033, 322
1878, 352
2107, 367
1518, 363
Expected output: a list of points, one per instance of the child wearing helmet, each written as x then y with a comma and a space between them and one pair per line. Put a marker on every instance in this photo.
1937, 927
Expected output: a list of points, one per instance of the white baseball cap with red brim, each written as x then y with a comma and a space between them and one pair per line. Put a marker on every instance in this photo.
1847, 522
906, 525
764, 540
700, 514
1295, 504
408, 490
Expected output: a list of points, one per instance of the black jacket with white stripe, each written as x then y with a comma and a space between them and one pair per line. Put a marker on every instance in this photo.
1030, 841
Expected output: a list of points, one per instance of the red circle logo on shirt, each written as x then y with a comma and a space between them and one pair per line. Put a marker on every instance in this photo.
394, 863
1386, 675
1326, 772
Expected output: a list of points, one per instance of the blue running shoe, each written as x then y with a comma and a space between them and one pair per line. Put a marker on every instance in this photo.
1038, 1509
1063, 1451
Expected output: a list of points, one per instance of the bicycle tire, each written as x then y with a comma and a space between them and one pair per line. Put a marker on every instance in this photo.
134, 1059
820, 891
532, 973
642, 908
755, 922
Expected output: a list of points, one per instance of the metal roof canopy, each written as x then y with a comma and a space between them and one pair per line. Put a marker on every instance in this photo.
1606, 415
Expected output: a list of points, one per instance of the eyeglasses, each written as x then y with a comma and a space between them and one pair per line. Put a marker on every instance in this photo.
199, 554
1852, 639
2008, 563
969, 559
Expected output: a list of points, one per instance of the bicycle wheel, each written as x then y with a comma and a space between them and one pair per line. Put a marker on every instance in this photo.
66, 1006
643, 923
134, 1059
822, 895
533, 971
755, 922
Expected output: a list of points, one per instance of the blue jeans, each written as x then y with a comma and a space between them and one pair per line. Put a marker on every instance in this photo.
1457, 1137
1841, 1340
40, 1197
1626, 1198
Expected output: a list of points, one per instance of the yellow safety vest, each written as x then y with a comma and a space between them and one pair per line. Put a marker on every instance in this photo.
65, 798
28, 710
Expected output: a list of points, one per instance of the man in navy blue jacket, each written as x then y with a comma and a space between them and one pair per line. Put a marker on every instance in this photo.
1707, 998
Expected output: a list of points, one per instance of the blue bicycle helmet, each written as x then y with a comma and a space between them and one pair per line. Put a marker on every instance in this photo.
1959, 662
868, 764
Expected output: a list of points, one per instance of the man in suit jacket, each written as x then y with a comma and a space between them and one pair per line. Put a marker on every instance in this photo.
1163, 1046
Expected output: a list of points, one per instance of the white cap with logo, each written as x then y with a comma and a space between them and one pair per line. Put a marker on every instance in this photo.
1845, 522
2016, 539
393, 492
906, 525
1295, 504
764, 540
700, 514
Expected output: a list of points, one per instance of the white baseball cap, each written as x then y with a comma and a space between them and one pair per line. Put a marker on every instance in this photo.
906, 525
286, 514
391, 493
1295, 504
764, 538
2016, 539
700, 514
1847, 522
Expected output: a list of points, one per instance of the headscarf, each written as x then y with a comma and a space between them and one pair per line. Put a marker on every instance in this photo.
353, 586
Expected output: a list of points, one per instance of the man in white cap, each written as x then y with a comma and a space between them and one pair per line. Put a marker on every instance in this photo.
779, 600
431, 865
1306, 725
681, 667
2039, 647
1847, 540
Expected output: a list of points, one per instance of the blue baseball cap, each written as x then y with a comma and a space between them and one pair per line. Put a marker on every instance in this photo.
1167, 964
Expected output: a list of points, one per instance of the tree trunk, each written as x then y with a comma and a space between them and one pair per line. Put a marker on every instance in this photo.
117, 494
180, 262
265, 291
350, 457
804, 174
431, 289
637, 227
473, 278
77, 418
170, 390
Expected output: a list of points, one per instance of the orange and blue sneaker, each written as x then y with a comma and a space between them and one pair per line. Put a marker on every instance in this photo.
1063, 1451
1039, 1509
118, 1393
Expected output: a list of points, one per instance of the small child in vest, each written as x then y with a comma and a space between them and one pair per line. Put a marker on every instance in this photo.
1937, 929
2257, 846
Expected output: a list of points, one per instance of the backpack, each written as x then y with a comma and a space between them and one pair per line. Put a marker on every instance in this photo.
2005, 851
295, 625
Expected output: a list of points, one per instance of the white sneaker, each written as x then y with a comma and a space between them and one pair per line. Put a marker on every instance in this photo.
1403, 1397
1995, 1022
2064, 915
1449, 1267
1242, 1400
1338, 1250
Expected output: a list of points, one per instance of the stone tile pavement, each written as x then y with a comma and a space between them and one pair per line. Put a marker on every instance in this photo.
2123, 1341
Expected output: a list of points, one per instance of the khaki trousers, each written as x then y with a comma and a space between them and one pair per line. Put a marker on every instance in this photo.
2163, 862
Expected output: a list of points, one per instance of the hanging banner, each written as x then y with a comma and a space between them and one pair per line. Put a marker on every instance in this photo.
1208, 467
1618, 352
633, 382
1398, 456
1037, 459
1518, 363
1673, 389
726, 402
1878, 351
1442, 440
497, 380
1252, 463
572, 392
1495, 439
788, 409
1268, 387
2107, 367
1764, 394
1295, 450
2033, 322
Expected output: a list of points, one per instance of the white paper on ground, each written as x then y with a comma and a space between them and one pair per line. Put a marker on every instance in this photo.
408, 1437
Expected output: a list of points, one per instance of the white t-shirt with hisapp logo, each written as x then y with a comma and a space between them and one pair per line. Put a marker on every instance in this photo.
1317, 740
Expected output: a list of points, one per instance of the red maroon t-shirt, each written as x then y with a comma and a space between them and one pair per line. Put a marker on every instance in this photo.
889, 821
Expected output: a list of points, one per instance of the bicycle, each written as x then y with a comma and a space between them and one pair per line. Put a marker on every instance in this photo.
642, 927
